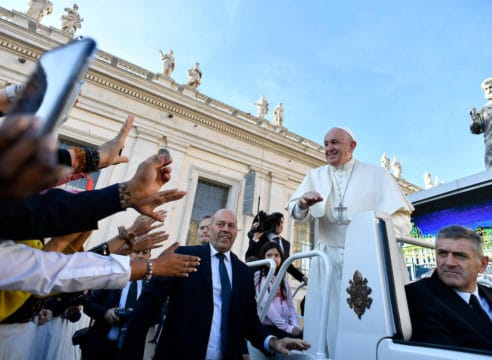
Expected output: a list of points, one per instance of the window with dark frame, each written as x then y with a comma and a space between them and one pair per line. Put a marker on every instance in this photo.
209, 197
303, 240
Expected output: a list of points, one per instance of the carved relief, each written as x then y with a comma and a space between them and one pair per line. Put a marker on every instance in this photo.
359, 292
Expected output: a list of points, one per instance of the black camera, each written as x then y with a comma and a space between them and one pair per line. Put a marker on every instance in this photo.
261, 223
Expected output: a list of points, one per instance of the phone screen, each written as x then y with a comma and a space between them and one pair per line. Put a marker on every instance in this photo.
55, 84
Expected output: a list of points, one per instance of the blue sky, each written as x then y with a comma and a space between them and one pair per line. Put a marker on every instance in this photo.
403, 75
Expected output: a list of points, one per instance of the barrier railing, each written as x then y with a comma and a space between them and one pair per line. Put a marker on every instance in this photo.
320, 353
271, 271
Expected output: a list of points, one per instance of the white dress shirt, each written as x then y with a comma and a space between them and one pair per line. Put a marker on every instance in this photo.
41, 272
213, 348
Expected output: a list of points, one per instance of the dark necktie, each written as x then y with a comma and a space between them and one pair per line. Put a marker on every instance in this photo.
477, 307
131, 297
225, 293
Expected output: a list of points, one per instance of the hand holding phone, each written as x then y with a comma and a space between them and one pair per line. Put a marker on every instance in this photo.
55, 84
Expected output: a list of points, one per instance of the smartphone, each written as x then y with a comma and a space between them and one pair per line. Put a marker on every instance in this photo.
165, 152
55, 84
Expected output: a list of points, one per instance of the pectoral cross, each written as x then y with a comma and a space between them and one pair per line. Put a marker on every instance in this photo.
340, 209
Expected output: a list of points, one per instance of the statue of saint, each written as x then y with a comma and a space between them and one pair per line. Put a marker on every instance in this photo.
262, 106
427, 180
278, 115
396, 166
71, 20
194, 76
167, 63
385, 161
482, 121
39, 8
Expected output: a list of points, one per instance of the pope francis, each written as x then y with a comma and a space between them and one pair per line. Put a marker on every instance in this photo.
333, 194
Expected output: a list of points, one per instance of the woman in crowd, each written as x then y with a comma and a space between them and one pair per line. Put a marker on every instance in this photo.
281, 318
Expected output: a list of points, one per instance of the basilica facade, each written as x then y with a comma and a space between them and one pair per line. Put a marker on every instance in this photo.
223, 157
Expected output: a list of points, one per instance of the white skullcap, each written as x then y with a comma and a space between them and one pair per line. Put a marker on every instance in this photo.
347, 130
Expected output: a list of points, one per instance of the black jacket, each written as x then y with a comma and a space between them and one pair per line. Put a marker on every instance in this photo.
440, 316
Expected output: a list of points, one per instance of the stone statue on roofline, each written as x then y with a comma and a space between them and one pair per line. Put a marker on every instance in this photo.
427, 180
262, 106
278, 115
39, 8
71, 20
385, 161
482, 121
167, 62
396, 167
194, 76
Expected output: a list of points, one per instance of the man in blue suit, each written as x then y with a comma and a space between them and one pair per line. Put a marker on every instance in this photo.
196, 326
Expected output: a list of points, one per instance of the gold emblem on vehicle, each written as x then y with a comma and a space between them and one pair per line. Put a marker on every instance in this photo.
359, 292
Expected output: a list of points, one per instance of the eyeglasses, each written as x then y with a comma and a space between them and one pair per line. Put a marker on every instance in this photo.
203, 227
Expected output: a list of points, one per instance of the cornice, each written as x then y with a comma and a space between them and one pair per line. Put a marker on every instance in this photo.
182, 110
20, 48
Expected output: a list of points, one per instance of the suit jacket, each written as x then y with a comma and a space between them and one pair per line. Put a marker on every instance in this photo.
96, 306
440, 316
255, 248
186, 329
56, 212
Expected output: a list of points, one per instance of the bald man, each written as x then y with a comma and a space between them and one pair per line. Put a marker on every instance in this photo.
334, 194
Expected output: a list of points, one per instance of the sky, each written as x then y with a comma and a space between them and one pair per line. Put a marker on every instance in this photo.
403, 75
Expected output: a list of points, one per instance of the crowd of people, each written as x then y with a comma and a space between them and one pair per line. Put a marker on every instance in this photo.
203, 296
52, 277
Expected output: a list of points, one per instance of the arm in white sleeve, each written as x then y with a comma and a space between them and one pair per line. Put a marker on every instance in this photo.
298, 213
40, 272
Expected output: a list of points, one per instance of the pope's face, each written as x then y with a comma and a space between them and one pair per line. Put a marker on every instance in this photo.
339, 147
458, 264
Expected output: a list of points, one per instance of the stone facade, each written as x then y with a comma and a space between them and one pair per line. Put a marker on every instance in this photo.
207, 139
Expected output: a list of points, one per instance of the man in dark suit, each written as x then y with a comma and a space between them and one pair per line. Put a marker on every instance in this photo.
276, 221
450, 308
207, 317
103, 306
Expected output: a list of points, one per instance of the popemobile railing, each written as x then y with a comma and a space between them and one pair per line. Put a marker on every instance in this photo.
415, 241
271, 264
325, 286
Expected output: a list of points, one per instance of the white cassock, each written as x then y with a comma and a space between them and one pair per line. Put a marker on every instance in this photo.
352, 188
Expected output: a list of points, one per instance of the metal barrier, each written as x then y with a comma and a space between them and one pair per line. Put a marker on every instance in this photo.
301, 285
415, 241
271, 271
324, 301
